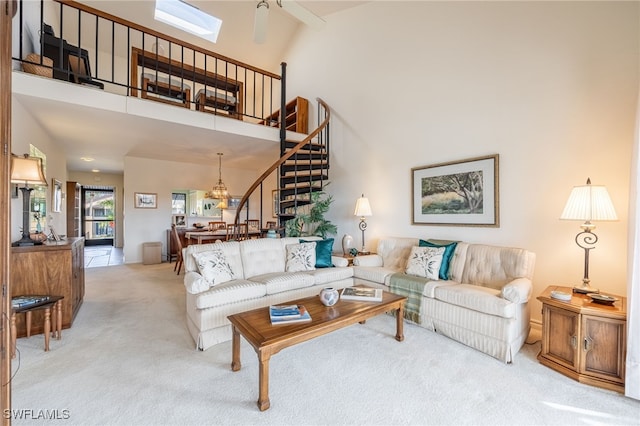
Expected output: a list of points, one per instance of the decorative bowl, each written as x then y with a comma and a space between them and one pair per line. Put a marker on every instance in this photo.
602, 298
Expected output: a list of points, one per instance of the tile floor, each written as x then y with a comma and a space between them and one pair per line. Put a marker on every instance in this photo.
95, 256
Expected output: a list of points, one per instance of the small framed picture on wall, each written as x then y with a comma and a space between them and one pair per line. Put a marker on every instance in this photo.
145, 200
180, 220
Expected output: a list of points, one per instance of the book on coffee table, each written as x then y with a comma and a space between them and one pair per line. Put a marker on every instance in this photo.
366, 294
290, 318
284, 311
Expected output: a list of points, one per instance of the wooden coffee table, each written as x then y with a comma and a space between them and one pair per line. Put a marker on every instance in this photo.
255, 326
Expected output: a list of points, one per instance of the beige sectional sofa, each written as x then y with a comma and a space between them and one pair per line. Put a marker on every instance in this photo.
254, 274
484, 301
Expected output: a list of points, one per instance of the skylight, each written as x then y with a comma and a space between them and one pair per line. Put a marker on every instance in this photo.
188, 18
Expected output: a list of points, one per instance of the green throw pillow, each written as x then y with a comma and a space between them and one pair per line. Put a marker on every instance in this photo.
446, 256
323, 252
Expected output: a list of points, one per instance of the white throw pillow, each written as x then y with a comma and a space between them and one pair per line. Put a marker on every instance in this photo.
301, 257
425, 262
213, 267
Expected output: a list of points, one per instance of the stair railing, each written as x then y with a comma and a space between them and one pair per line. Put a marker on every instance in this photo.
284, 157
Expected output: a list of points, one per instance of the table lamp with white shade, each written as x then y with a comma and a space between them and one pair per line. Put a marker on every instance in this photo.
363, 209
28, 171
588, 203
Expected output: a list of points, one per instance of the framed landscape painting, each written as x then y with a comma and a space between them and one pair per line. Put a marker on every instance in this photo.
456, 193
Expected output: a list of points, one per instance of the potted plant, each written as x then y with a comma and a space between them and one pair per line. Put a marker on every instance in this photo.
312, 221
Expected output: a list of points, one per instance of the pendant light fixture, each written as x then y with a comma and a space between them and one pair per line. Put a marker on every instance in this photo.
219, 191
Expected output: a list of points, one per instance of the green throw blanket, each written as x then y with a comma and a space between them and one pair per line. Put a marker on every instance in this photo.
411, 287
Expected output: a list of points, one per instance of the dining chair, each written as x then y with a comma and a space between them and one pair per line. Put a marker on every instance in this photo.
253, 226
176, 237
217, 225
236, 232
253, 223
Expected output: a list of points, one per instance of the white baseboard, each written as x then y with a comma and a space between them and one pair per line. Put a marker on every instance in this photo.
536, 325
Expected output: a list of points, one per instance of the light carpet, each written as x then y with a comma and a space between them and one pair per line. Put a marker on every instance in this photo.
129, 359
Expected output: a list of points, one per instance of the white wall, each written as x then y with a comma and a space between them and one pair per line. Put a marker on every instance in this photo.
25, 130
161, 177
550, 86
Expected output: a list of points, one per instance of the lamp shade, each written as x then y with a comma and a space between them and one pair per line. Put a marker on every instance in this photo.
363, 208
589, 202
27, 170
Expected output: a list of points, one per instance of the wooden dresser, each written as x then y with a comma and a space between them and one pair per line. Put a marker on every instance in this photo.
583, 339
54, 269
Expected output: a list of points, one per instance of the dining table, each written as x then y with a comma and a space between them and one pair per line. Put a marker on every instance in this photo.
212, 236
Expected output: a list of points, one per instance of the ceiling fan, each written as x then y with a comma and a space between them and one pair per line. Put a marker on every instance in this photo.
292, 7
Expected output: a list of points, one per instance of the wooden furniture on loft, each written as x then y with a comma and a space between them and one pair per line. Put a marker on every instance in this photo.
166, 90
50, 268
52, 308
219, 94
297, 116
73, 209
220, 102
583, 339
75, 61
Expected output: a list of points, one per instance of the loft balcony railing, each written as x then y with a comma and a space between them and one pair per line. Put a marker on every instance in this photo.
77, 43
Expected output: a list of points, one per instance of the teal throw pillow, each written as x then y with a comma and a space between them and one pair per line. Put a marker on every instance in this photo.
446, 256
323, 252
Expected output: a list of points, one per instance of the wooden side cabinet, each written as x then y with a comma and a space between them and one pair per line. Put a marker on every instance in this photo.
584, 340
51, 269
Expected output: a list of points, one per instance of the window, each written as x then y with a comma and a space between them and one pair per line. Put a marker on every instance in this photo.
178, 203
188, 18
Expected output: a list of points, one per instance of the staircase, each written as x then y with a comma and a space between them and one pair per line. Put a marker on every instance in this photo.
303, 168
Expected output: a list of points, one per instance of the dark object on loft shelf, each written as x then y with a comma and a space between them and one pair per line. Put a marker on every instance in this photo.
75, 62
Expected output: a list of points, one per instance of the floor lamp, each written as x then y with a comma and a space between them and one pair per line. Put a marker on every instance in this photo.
363, 209
586, 203
28, 171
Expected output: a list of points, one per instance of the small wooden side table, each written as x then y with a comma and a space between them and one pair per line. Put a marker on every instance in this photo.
350, 257
347, 256
54, 302
583, 339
